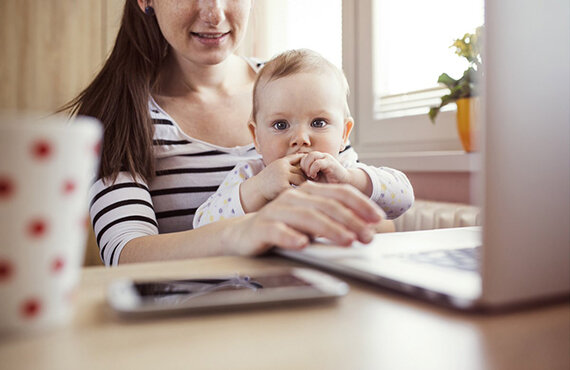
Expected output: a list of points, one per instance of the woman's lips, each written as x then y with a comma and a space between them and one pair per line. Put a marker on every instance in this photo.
210, 38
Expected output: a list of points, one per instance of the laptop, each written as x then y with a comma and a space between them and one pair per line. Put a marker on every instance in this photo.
521, 254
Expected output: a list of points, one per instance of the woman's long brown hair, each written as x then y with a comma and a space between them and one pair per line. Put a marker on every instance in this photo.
119, 94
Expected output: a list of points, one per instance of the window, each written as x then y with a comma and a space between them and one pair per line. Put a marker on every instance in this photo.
393, 52
293, 24
411, 48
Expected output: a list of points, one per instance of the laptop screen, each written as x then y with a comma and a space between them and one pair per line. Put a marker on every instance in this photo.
526, 149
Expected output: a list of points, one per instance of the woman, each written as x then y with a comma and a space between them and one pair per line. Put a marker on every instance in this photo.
174, 100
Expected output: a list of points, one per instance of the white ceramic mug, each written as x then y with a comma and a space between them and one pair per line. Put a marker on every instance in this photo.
46, 168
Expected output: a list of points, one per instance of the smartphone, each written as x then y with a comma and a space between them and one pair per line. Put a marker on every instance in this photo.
143, 298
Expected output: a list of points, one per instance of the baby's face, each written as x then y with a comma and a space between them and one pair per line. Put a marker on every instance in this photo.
300, 113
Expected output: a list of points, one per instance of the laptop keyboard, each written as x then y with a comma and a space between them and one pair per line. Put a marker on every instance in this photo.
462, 259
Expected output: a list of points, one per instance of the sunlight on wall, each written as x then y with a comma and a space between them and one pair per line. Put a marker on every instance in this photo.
292, 24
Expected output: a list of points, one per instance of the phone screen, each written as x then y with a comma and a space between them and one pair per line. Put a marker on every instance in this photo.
128, 297
171, 291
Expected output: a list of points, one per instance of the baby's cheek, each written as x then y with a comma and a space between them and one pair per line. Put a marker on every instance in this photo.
268, 157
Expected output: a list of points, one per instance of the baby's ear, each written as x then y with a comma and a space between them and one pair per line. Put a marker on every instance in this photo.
348, 125
252, 126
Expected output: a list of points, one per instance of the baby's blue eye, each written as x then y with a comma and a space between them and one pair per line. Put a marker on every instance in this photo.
319, 123
280, 125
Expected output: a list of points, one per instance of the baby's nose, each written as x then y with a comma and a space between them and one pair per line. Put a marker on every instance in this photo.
300, 138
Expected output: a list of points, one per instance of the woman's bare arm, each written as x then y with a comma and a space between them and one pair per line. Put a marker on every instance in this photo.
338, 212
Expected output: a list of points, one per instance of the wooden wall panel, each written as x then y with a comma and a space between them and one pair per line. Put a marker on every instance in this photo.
50, 50
113, 12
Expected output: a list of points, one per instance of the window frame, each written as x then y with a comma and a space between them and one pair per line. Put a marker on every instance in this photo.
371, 136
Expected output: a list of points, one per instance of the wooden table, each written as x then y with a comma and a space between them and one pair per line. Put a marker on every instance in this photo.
369, 329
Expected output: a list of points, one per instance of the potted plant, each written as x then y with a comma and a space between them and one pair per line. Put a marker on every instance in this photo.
463, 91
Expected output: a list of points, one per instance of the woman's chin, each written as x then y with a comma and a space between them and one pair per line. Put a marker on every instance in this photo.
211, 57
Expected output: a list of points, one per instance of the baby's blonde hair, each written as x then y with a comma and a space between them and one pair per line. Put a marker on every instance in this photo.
297, 61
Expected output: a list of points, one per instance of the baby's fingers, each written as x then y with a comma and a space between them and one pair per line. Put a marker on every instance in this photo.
295, 159
316, 167
308, 159
297, 179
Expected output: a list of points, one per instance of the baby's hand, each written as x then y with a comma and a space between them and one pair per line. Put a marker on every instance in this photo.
323, 167
279, 175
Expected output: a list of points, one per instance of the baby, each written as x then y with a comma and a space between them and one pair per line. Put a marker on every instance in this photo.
300, 125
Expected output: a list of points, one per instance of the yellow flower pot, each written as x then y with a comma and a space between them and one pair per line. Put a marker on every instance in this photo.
467, 123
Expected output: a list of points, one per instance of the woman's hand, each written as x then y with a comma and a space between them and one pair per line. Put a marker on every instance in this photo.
335, 211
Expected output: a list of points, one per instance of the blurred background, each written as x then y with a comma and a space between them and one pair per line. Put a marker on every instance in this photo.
392, 52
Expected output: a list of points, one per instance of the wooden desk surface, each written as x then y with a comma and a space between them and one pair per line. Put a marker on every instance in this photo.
368, 329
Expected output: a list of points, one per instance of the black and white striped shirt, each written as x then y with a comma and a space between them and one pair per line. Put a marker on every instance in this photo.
188, 171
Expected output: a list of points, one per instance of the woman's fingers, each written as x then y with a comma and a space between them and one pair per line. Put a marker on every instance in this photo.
349, 197
256, 232
339, 213
272, 233
310, 220
336, 211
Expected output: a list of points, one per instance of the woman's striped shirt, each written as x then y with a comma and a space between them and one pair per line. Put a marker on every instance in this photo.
188, 171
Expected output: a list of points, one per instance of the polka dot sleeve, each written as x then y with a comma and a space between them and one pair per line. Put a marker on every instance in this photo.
225, 202
391, 189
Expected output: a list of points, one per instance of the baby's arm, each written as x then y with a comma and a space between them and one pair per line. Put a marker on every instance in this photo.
225, 202
392, 190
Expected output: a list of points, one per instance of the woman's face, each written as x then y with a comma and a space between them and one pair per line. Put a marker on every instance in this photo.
202, 31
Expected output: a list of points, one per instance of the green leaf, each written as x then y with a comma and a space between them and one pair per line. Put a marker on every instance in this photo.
448, 81
446, 99
467, 47
433, 113
449, 98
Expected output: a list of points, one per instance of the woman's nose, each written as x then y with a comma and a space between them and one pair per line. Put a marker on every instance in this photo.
211, 11
300, 137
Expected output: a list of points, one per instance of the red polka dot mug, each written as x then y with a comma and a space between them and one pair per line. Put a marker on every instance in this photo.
46, 168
